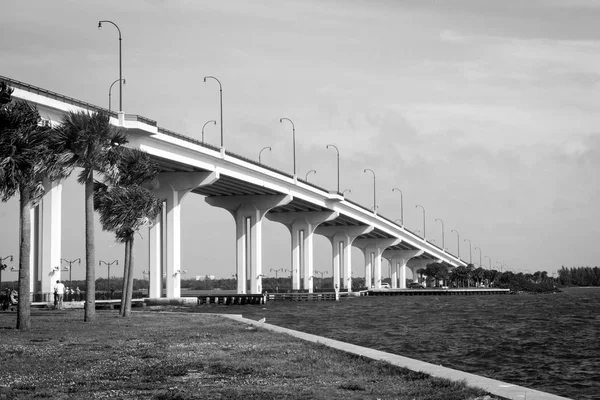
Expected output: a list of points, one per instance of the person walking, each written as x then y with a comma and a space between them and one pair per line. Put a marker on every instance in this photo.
59, 290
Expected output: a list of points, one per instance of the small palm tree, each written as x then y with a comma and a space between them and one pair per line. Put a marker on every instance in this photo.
125, 206
90, 139
29, 153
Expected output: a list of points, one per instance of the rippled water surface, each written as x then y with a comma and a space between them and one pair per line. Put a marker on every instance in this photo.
546, 342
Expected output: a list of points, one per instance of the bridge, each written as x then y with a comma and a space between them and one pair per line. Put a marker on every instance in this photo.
250, 191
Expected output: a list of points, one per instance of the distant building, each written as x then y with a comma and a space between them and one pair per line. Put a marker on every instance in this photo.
205, 277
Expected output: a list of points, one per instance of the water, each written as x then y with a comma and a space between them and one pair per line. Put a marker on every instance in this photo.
545, 342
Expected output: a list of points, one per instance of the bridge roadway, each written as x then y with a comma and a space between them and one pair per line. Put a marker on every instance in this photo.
250, 191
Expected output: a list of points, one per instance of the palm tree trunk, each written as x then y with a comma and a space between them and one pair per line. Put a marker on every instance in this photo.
125, 285
127, 312
24, 306
90, 261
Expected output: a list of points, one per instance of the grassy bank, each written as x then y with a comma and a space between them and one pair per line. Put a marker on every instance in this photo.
185, 356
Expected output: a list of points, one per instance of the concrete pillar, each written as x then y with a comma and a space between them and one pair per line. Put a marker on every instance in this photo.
373, 250
417, 264
399, 259
248, 212
172, 187
302, 226
46, 232
155, 262
341, 238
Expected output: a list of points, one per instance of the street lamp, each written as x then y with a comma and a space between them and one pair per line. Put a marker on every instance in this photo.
109, 92
401, 206
489, 260
347, 190
261, 150
120, 64
108, 264
4, 266
220, 103
423, 208
470, 252
338, 164
293, 140
478, 248
457, 242
308, 173
374, 190
276, 271
443, 242
206, 123
71, 262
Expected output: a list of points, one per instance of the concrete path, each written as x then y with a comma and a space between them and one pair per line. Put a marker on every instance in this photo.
492, 386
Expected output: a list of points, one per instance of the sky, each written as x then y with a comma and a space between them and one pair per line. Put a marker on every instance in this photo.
486, 113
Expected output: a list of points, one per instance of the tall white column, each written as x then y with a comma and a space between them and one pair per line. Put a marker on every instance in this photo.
341, 238
46, 232
248, 212
373, 250
155, 261
172, 187
302, 226
399, 258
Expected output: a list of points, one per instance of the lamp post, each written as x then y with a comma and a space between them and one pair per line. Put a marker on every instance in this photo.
490, 261
261, 150
276, 271
347, 190
293, 140
457, 242
478, 248
206, 123
120, 64
443, 241
470, 252
4, 266
71, 262
374, 190
108, 264
220, 104
423, 208
109, 92
401, 206
308, 173
338, 164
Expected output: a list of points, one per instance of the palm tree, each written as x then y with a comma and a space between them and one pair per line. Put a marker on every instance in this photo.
89, 138
29, 153
5, 93
125, 206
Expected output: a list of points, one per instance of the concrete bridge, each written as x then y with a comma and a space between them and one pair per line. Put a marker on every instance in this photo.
250, 191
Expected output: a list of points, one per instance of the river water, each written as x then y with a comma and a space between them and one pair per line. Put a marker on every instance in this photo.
547, 342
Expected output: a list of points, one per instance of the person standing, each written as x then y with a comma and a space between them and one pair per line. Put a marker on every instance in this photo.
59, 290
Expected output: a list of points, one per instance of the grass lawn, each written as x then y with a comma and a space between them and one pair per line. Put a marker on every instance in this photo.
191, 356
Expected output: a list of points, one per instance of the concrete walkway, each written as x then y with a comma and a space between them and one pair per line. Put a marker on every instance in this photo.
492, 386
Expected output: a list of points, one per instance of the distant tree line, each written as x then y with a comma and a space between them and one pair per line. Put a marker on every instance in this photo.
579, 276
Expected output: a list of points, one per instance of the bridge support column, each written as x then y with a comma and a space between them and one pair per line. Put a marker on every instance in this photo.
373, 250
155, 238
173, 186
44, 262
302, 226
248, 212
341, 238
417, 264
398, 260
